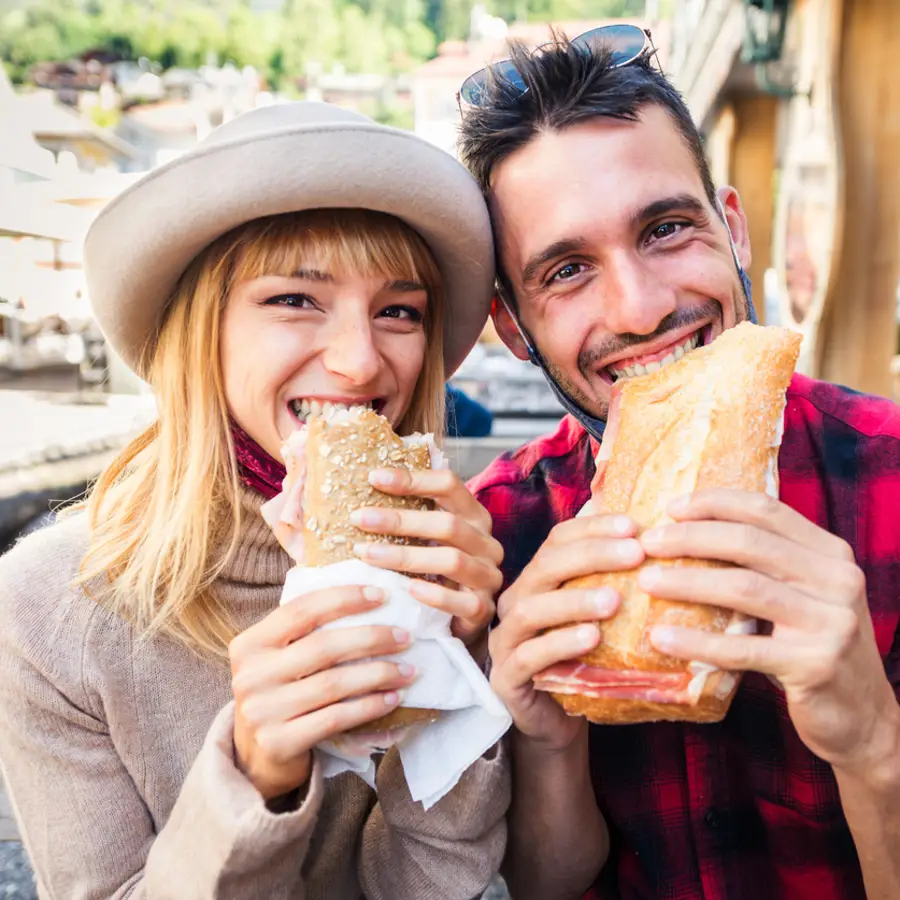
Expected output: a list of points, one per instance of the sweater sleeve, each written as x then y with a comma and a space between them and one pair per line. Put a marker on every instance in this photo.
451, 851
84, 821
89, 834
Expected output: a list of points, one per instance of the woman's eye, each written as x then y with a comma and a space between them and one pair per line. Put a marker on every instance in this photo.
296, 301
408, 313
567, 272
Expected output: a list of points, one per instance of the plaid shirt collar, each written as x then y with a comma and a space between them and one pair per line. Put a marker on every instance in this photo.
740, 809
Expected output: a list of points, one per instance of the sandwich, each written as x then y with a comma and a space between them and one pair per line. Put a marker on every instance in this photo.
714, 418
328, 464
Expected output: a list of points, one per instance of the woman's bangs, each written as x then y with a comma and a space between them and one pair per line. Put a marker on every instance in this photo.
366, 243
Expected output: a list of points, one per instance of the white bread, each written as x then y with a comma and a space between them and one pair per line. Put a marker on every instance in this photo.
712, 419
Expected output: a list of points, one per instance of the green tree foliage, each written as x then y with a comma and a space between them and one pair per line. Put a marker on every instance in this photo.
283, 39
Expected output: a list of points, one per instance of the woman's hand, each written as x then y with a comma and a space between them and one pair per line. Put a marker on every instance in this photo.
463, 552
293, 689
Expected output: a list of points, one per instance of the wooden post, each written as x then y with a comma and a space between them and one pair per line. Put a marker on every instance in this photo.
858, 335
752, 171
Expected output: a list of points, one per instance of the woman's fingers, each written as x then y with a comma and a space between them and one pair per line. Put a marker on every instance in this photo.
472, 611
299, 698
430, 525
317, 652
441, 485
450, 562
281, 742
299, 617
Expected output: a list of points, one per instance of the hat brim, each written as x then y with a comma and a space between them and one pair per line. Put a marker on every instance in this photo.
142, 242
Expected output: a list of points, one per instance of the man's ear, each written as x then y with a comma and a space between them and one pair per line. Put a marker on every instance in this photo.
736, 221
507, 330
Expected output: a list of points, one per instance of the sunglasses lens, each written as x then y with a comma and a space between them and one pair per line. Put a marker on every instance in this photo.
475, 86
626, 42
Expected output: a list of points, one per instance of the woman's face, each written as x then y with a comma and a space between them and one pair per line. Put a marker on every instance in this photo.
315, 337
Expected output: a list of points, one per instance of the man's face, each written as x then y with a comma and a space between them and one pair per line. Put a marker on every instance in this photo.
618, 262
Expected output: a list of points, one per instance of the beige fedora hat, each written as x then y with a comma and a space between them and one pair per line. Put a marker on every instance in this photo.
279, 159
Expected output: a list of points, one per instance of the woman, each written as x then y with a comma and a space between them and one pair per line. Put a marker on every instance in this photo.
159, 707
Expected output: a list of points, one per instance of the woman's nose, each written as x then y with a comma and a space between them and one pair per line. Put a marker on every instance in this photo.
351, 353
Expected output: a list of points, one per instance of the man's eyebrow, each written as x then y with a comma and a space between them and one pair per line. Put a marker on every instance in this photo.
548, 254
312, 275
686, 203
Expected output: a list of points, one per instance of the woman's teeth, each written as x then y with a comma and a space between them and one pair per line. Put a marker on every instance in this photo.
674, 356
303, 409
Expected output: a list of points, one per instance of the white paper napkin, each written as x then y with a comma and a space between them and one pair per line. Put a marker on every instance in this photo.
473, 718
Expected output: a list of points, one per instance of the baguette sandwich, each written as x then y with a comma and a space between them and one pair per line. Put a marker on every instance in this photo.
712, 419
328, 464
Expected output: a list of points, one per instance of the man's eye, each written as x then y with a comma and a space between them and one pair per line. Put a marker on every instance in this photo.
567, 272
667, 230
296, 301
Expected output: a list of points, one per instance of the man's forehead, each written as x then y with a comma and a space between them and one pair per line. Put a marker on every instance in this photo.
598, 172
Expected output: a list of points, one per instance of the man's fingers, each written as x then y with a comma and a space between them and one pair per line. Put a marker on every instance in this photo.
763, 511
556, 563
739, 653
742, 590
430, 525
534, 615
450, 562
748, 546
591, 526
519, 668
297, 618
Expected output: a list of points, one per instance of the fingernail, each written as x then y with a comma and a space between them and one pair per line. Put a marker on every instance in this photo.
621, 525
662, 637
381, 477
587, 635
373, 551
679, 505
650, 577
365, 517
425, 591
406, 670
628, 550
652, 536
374, 594
604, 600
391, 698
401, 636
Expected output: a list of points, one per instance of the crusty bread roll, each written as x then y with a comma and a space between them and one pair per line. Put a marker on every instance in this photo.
712, 419
341, 450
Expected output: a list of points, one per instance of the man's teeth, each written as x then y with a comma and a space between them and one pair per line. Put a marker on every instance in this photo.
303, 409
674, 356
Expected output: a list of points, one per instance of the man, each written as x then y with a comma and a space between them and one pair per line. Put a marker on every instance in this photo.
614, 248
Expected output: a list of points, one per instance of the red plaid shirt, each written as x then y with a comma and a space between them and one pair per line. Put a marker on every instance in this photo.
738, 810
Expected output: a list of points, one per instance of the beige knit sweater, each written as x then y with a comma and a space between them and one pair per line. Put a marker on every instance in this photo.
119, 762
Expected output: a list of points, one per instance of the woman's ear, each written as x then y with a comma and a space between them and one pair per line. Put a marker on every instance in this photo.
506, 328
736, 222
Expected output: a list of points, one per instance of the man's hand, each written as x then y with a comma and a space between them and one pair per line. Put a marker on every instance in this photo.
805, 582
521, 645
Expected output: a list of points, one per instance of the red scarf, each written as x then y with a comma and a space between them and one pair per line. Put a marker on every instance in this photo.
259, 471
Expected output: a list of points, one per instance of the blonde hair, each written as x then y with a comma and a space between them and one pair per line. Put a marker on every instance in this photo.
165, 514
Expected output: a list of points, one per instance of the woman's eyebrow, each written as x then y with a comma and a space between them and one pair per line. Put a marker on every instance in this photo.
313, 275
404, 285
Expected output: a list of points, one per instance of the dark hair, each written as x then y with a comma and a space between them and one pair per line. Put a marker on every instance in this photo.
565, 84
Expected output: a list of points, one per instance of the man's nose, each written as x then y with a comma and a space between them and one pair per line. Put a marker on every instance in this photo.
635, 301
351, 352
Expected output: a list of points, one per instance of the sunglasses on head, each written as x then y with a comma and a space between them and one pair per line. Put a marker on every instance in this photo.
626, 43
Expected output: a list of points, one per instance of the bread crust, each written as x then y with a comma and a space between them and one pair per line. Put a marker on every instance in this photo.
402, 717
712, 419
